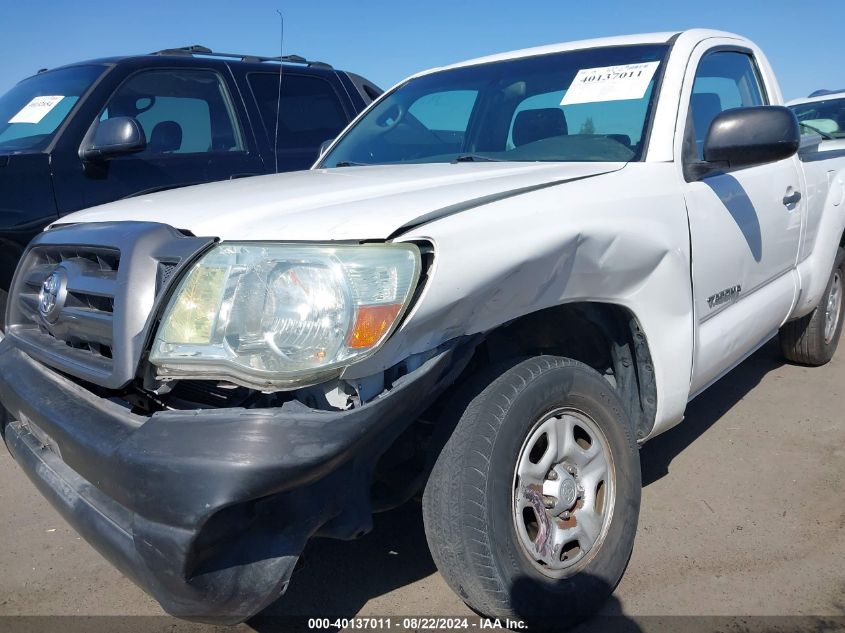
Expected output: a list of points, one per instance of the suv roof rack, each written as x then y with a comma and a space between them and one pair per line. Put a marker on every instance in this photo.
196, 49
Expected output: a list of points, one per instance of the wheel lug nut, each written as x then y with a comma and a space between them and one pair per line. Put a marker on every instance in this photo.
553, 475
571, 470
565, 515
549, 502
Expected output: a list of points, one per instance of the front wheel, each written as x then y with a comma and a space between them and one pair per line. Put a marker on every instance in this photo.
531, 509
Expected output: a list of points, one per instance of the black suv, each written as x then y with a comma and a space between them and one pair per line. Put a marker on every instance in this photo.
97, 131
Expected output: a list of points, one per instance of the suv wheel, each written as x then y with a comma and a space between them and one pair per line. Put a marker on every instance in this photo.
531, 509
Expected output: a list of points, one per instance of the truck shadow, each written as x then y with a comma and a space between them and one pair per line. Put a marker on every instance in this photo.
707, 409
337, 578
731, 194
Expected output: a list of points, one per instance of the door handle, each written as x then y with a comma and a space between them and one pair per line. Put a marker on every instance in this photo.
792, 198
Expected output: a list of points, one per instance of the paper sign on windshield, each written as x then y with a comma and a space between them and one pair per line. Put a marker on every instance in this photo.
610, 83
36, 109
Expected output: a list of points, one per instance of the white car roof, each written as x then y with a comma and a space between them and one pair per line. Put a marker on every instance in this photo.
824, 97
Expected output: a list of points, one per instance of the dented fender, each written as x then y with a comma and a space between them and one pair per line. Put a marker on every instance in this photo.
619, 238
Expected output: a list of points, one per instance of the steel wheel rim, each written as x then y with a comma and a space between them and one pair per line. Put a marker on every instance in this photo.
833, 309
556, 534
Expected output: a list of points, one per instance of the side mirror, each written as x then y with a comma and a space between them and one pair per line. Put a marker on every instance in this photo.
120, 135
745, 137
324, 146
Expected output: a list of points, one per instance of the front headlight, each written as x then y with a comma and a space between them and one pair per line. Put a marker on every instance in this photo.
283, 315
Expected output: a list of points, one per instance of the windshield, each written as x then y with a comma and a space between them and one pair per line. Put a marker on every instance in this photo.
585, 105
825, 117
32, 111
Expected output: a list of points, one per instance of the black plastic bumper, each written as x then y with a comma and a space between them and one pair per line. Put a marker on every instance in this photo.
206, 510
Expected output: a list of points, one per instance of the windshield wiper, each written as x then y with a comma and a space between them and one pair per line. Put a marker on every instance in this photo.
824, 135
472, 158
349, 163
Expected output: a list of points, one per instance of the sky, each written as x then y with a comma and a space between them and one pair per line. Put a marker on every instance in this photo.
389, 40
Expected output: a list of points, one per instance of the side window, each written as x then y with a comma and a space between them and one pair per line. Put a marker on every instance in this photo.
180, 111
310, 111
723, 80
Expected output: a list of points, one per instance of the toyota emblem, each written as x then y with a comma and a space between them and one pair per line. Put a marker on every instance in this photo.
51, 295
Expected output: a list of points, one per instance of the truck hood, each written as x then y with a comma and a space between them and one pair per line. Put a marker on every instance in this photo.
349, 203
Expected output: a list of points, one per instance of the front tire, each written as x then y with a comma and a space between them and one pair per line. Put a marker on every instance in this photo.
812, 339
502, 521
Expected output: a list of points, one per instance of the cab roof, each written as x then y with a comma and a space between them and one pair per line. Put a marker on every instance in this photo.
663, 37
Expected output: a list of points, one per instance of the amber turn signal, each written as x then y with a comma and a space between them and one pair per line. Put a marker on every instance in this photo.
371, 323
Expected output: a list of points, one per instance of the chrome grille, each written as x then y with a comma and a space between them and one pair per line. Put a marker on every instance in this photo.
98, 310
84, 320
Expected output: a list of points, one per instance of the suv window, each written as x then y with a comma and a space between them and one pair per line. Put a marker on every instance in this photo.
180, 111
723, 80
310, 111
32, 111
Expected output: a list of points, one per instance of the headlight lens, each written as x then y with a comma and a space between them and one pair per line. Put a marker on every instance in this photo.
281, 315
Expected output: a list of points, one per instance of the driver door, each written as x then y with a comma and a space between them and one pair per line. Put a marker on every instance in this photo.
744, 225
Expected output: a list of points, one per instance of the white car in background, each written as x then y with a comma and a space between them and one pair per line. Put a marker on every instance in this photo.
822, 114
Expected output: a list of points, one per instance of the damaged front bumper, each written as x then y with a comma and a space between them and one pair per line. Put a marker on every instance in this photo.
207, 510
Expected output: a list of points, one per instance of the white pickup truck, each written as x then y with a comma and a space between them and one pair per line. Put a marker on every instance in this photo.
495, 284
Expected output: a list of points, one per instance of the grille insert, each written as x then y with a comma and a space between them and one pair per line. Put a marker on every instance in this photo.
100, 305
83, 320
